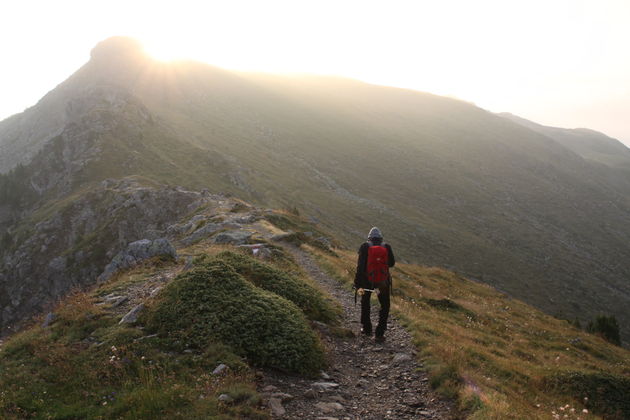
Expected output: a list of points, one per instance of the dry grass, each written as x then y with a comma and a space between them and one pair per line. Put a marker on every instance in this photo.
491, 352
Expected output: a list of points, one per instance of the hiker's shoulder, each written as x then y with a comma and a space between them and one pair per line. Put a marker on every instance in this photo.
364, 246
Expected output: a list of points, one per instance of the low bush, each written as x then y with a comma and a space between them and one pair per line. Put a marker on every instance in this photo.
214, 303
308, 298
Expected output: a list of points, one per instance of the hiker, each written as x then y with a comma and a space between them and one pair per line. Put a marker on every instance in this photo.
375, 258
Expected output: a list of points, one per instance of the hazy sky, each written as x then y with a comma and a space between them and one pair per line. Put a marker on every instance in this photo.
558, 62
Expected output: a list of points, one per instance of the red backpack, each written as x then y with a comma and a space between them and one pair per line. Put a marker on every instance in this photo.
377, 267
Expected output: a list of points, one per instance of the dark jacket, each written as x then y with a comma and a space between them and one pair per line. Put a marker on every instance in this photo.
360, 279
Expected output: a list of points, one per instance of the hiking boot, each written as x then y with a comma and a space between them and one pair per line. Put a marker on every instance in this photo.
379, 339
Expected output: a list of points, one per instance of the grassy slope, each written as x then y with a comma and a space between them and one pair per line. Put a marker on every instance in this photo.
86, 365
500, 357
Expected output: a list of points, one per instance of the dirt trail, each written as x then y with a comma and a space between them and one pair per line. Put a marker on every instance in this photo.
364, 380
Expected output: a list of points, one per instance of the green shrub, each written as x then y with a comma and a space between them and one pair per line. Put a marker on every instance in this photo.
308, 298
214, 303
607, 394
606, 327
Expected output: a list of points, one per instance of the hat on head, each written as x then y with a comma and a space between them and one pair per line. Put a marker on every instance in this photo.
375, 233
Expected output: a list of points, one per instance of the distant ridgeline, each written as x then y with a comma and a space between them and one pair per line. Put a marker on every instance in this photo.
538, 212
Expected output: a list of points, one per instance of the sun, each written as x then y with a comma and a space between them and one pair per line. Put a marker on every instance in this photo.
164, 50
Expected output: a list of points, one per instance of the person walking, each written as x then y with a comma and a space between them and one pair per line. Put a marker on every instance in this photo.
375, 259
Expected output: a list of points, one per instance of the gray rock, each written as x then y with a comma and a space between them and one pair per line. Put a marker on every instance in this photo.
270, 388
117, 301
234, 237
132, 315
136, 252
324, 375
328, 407
282, 396
221, 369
225, 398
50, 318
310, 394
325, 386
201, 233
337, 398
276, 407
401, 358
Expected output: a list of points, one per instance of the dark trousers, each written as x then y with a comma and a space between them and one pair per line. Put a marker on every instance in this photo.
383, 299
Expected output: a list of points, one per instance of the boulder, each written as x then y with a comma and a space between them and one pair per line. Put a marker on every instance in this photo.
276, 407
135, 253
201, 233
235, 237
132, 315
222, 368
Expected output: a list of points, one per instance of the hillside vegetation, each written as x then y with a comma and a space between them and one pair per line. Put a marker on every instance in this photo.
497, 356
501, 358
86, 364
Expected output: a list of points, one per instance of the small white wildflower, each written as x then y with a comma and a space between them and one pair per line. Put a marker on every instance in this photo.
104, 402
142, 358
561, 408
585, 411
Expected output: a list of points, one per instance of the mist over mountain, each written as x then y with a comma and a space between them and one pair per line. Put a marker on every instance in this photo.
540, 213
589, 144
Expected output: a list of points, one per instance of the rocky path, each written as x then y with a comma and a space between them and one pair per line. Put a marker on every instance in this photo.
364, 380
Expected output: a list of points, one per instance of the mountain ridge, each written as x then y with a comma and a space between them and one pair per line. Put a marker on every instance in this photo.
449, 183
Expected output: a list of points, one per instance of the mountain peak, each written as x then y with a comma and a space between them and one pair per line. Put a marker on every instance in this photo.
118, 48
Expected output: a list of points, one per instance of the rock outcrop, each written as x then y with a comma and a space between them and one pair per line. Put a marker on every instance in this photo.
135, 253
